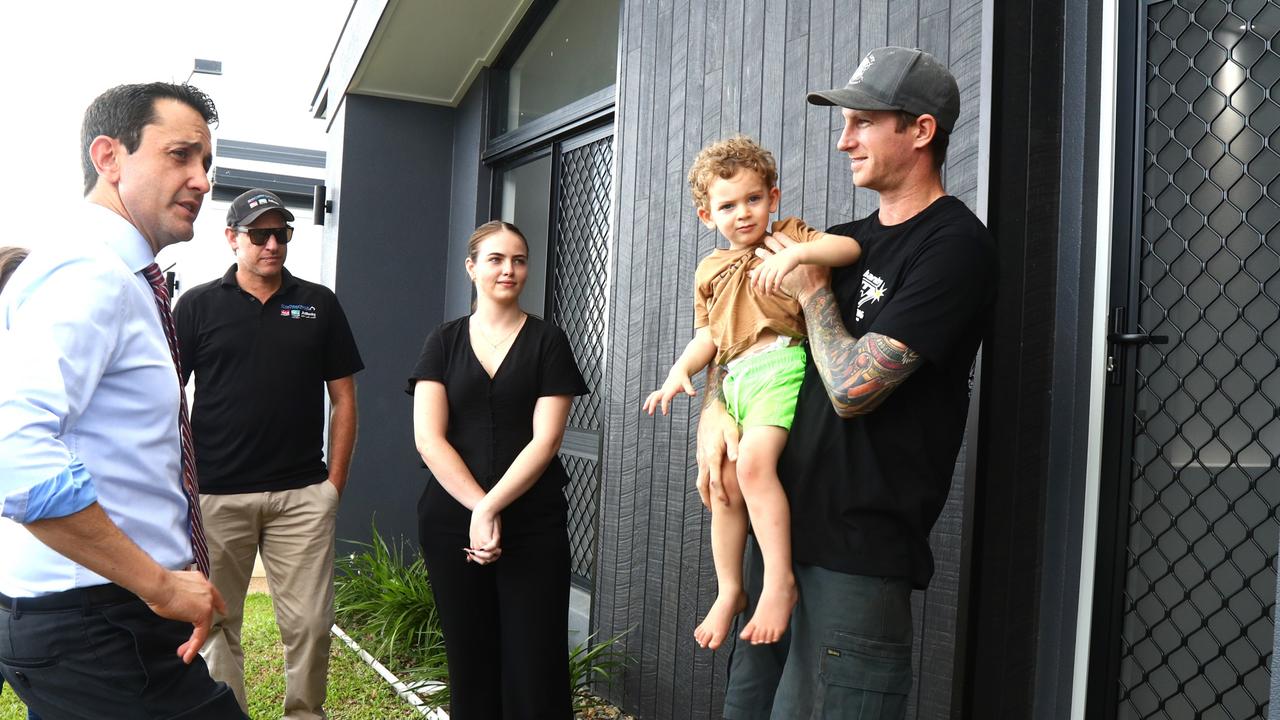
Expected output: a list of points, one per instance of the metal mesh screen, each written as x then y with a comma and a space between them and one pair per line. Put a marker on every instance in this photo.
1200, 583
582, 253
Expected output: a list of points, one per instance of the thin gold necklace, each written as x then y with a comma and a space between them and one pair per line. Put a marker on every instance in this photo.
495, 345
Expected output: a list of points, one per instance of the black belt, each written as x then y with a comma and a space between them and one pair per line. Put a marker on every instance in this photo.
75, 598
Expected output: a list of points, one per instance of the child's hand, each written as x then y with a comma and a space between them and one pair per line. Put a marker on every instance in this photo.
677, 382
767, 278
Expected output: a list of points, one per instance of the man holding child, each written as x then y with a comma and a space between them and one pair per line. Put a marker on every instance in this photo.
892, 341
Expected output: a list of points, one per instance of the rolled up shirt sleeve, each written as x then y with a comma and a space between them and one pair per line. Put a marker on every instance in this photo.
56, 340
66, 493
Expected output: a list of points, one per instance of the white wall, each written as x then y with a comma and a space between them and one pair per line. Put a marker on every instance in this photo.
57, 56
208, 256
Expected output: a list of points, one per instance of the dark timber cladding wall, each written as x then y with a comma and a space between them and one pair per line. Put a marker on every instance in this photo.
692, 72
394, 213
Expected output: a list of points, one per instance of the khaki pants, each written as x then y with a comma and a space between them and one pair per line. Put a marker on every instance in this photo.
294, 531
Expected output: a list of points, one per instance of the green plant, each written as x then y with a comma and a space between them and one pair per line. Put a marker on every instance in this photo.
384, 601
389, 604
589, 664
430, 674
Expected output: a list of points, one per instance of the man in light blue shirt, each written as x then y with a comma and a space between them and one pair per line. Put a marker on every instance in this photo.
96, 594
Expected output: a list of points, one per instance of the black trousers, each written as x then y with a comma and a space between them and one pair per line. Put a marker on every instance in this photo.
506, 626
101, 653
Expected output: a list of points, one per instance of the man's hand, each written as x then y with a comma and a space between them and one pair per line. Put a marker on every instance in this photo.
90, 538
717, 443
187, 596
677, 382
804, 279
486, 535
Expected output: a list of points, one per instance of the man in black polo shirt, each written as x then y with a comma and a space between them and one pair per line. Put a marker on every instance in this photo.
264, 347
882, 409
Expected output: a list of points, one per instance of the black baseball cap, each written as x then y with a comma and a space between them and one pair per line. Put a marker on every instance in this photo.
252, 204
898, 78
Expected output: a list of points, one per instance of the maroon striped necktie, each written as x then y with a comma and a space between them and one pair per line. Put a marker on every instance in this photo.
189, 486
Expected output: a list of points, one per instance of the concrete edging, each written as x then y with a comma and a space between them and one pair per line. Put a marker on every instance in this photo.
408, 693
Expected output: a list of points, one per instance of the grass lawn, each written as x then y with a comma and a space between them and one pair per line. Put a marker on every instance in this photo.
355, 690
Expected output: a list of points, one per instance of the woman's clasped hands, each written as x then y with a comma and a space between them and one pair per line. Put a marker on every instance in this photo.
486, 535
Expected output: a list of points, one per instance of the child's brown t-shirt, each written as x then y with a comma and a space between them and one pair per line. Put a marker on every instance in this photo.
724, 301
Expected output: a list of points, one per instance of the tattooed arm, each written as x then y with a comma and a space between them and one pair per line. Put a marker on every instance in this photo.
858, 373
715, 387
717, 439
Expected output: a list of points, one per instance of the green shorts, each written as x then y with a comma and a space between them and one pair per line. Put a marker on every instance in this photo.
761, 388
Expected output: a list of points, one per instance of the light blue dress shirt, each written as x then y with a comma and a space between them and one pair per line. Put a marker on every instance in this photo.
88, 403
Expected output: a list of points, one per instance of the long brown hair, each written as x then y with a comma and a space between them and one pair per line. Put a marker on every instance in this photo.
10, 259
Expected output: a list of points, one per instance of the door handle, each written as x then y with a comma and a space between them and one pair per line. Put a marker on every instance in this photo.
1137, 339
1117, 339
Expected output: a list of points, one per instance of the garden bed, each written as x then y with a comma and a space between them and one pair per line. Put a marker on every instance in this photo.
384, 603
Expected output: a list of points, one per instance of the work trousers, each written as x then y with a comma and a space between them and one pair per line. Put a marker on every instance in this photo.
506, 625
293, 530
104, 654
846, 656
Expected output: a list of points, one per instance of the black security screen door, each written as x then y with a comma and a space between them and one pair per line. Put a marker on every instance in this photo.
579, 293
1188, 535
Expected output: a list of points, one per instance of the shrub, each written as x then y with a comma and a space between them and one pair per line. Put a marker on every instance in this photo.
388, 602
383, 599
589, 664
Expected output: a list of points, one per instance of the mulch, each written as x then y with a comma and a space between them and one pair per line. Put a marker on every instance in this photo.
604, 712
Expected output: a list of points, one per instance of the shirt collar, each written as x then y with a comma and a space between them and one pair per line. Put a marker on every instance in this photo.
287, 280
122, 237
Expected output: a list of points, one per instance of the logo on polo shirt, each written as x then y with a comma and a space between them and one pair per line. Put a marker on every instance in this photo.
298, 312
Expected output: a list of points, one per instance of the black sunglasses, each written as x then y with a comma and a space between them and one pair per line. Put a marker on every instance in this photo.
259, 236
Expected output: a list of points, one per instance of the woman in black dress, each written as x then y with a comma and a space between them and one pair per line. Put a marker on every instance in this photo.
491, 395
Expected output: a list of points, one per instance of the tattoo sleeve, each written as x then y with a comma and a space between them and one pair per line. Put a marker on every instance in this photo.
715, 389
859, 373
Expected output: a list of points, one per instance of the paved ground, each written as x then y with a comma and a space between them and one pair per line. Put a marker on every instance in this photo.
258, 579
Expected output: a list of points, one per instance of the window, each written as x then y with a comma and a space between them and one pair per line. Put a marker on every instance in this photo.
573, 54
523, 192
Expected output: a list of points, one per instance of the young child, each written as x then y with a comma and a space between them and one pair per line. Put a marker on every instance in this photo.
755, 334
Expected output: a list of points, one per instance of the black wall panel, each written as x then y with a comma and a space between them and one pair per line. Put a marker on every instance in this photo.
393, 222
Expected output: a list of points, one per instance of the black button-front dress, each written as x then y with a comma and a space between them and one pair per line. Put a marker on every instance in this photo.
491, 420
505, 624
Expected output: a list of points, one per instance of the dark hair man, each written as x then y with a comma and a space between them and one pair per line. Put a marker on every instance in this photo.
97, 484
882, 408
10, 259
264, 347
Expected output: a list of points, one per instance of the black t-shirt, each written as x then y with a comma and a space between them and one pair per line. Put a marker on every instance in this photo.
491, 420
258, 418
865, 492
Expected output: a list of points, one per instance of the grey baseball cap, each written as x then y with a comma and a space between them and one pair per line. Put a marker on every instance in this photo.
252, 204
898, 78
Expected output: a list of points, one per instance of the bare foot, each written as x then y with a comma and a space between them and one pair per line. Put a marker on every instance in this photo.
715, 626
773, 613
